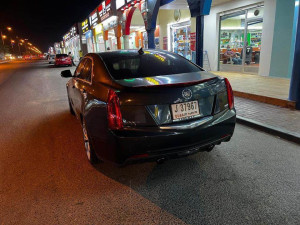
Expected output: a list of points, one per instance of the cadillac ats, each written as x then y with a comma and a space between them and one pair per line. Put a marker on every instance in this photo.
148, 105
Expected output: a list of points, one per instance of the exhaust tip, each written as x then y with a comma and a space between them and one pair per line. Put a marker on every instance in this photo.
161, 160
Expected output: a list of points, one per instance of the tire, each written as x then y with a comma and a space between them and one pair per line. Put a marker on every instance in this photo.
90, 153
71, 108
209, 148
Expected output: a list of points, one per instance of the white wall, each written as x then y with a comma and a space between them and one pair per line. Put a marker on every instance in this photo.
211, 31
267, 37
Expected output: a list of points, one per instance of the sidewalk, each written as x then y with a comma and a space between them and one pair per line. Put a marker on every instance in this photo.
269, 90
276, 120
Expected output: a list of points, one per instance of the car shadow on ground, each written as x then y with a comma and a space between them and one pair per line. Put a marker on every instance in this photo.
186, 187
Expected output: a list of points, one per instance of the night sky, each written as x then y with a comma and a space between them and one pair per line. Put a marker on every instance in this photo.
44, 22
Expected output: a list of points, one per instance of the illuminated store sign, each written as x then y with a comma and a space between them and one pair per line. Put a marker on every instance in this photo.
56, 45
85, 26
104, 10
94, 20
72, 33
124, 4
110, 23
120, 4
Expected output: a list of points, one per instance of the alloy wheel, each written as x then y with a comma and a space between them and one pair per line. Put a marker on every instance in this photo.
86, 142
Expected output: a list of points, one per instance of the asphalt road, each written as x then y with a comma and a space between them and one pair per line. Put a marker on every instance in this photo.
45, 177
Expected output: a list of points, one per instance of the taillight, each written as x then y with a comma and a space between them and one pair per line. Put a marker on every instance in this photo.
229, 94
114, 115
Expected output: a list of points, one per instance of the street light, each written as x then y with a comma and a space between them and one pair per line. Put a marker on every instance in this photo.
4, 36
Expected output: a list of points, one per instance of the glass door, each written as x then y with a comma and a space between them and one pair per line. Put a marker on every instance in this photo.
241, 32
232, 29
253, 42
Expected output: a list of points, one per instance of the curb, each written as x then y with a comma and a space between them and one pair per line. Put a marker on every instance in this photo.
282, 133
266, 99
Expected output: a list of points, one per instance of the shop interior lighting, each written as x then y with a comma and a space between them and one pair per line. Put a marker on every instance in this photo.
242, 28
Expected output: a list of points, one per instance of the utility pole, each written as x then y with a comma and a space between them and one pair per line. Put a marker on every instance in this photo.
2, 38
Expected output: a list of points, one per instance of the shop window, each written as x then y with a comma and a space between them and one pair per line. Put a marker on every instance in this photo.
180, 39
241, 32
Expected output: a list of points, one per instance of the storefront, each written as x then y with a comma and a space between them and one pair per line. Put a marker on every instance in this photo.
85, 26
234, 27
72, 42
95, 23
177, 32
180, 34
62, 46
100, 45
131, 14
111, 28
57, 48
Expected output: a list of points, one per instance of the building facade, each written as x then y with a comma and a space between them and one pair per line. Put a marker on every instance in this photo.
246, 36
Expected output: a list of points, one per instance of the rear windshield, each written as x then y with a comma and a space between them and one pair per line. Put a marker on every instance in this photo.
61, 55
125, 65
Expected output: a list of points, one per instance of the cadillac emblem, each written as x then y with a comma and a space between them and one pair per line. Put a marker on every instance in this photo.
187, 94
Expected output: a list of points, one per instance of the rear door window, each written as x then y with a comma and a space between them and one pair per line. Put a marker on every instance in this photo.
79, 68
86, 72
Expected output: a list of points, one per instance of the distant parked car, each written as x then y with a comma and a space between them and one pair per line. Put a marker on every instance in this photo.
27, 57
148, 105
63, 60
51, 59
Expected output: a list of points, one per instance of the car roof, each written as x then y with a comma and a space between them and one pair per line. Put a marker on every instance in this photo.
131, 52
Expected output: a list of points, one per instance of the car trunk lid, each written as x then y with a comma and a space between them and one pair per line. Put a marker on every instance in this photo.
151, 101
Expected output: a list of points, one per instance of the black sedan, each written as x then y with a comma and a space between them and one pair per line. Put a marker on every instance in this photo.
148, 105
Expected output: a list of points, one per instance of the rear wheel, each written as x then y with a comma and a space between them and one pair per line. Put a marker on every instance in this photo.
71, 108
90, 153
209, 148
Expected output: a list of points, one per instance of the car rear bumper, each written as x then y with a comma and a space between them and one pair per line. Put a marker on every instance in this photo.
149, 143
63, 63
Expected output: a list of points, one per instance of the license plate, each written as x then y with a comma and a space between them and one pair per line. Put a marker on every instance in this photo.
185, 110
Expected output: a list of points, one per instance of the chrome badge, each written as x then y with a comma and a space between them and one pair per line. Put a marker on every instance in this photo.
187, 93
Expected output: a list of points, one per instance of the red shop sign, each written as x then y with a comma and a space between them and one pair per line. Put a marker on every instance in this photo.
193, 41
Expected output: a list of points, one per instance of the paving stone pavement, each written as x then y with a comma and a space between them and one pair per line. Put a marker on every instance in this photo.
271, 115
259, 85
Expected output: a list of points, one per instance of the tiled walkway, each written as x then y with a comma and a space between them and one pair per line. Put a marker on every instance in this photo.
254, 84
270, 115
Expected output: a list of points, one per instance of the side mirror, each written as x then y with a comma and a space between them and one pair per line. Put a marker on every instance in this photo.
66, 73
